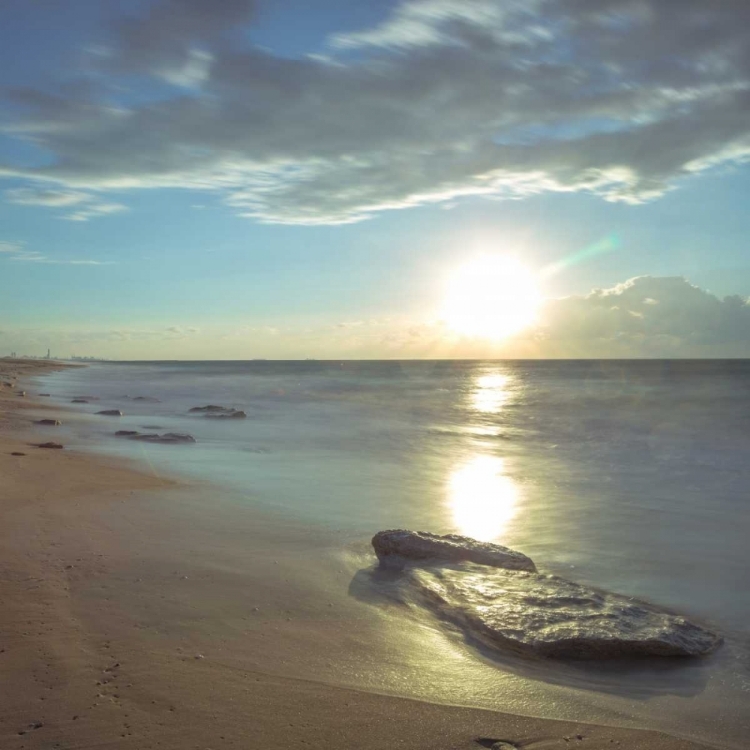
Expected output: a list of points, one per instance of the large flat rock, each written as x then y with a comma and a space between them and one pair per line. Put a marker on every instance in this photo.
550, 616
397, 547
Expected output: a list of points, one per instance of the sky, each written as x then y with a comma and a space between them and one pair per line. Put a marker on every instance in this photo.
185, 179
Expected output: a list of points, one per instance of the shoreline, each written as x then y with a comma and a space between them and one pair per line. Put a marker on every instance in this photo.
101, 624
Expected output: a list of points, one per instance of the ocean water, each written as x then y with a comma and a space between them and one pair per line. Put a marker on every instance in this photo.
632, 476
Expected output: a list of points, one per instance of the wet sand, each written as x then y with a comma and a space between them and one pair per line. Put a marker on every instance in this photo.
120, 628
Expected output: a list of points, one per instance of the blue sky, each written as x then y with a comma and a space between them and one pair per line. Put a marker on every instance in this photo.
190, 179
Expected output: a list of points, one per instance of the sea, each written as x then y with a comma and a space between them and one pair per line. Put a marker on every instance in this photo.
633, 476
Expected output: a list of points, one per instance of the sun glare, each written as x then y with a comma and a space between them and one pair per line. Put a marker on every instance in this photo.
492, 297
482, 497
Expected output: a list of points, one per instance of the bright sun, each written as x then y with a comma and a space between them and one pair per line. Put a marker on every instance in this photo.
491, 297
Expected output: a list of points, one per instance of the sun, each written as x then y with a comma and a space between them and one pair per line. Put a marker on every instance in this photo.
492, 297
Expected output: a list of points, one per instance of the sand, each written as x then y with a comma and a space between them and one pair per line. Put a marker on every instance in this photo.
118, 629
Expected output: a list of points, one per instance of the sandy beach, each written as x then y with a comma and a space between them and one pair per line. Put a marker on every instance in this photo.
122, 626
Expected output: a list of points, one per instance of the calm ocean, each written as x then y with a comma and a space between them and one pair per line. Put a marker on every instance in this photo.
632, 476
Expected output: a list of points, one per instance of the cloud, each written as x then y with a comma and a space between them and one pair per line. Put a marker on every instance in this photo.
647, 316
172, 38
90, 208
12, 248
623, 99
181, 331
37, 197
16, 251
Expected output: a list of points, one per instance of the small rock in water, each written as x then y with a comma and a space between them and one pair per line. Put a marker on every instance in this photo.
17, 453
168, 438
79, 401
233, 414
110, 413
49, 422
57, 446
44, 394
396, 546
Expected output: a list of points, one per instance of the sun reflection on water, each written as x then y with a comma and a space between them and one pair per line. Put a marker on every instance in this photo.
482, 497
491, 393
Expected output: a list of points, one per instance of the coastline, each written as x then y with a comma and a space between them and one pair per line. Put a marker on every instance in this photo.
99, 645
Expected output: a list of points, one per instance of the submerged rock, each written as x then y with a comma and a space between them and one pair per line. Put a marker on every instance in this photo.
110, 413
56, 446
396, 547
229, 415
168, 438
49, 422
552, 617
79, 401
43, 394
218, 412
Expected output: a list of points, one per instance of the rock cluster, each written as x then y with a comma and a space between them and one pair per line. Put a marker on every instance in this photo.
496, 595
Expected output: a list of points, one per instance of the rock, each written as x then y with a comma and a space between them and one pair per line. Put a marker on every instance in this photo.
147, 399
56, 446
79, 401
230, 415
110, 413
551, 617
49, 422
44, 394
397, 547
211, 408
17, 453
22, 393
168, 438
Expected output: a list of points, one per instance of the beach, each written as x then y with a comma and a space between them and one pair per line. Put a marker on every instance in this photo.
131, 620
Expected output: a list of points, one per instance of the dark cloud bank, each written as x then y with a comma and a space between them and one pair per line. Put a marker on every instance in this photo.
620, 98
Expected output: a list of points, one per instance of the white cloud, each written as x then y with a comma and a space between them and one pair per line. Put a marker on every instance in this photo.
93, 210
90, 205
37, 197
16, 251
497, 98
647, 316
13, 248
